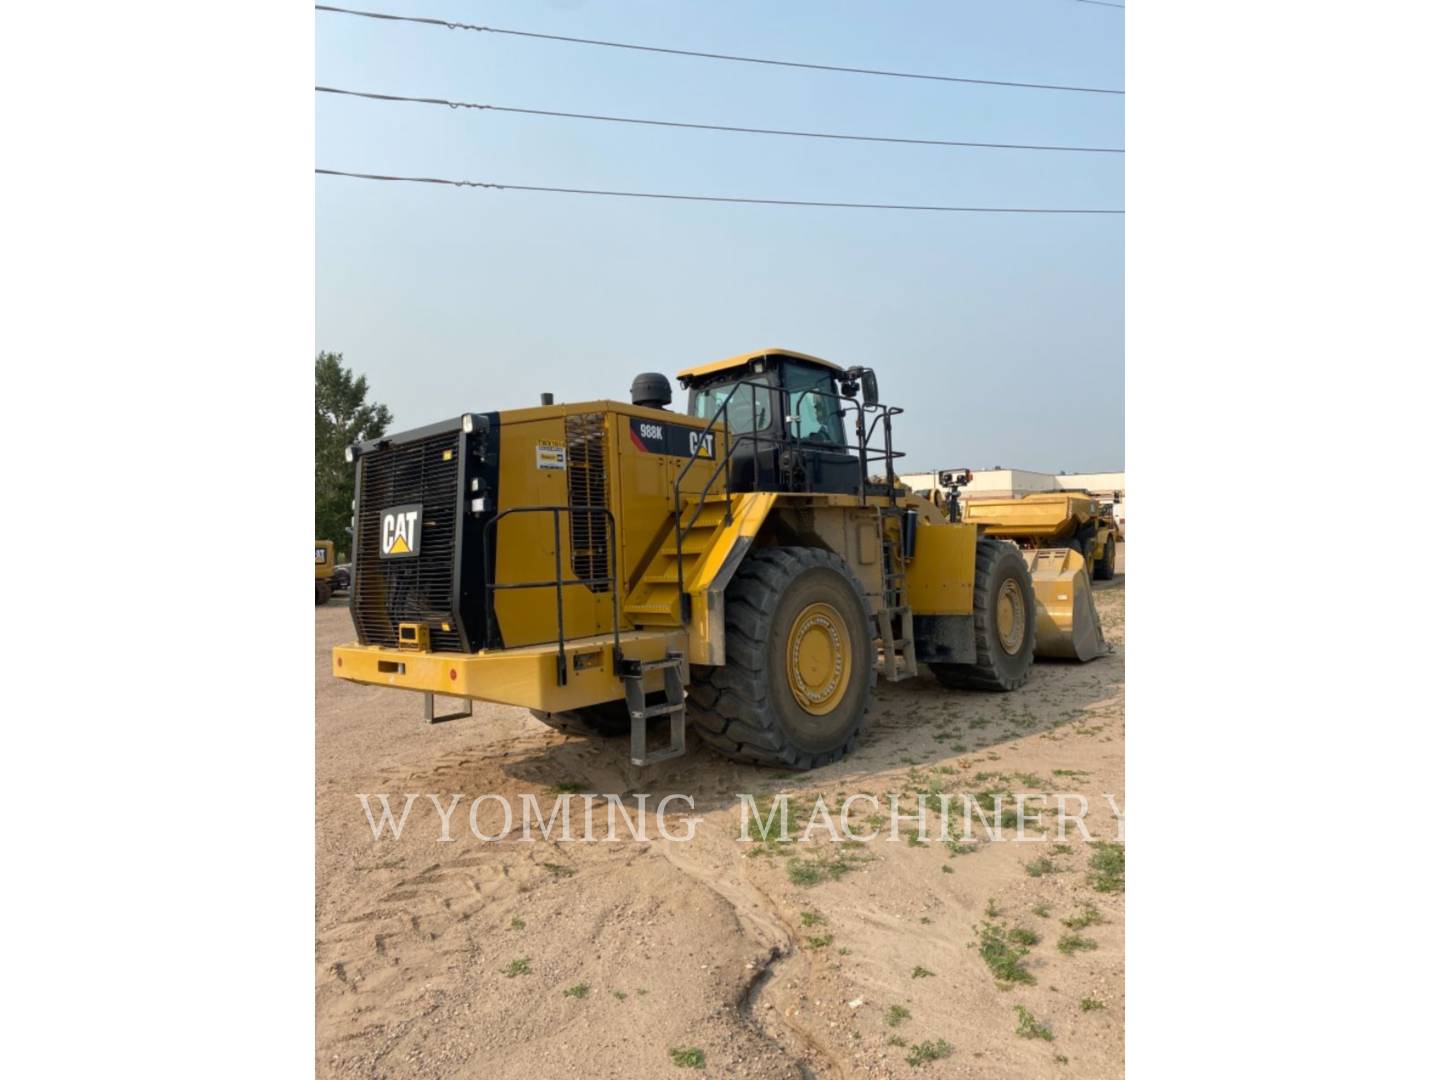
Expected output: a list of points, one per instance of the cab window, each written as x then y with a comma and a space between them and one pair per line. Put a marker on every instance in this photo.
812, 409
748, 409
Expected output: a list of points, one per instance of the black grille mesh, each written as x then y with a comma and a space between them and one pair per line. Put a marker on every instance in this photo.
388, 592
585, 460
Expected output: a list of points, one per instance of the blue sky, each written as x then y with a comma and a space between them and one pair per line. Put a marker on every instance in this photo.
1002, 336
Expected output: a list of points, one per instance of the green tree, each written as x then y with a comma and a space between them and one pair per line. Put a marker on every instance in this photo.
341, 417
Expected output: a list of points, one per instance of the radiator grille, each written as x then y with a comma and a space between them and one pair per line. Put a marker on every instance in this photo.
585, 461
390, 591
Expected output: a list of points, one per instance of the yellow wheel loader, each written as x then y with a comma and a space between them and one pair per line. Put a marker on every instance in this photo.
324, 570
747, 569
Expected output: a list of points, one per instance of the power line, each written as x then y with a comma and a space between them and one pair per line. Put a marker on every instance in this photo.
707, 198
707, 55
713, 127
1103, 3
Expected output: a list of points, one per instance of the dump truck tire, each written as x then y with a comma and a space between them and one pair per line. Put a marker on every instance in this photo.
797, 629
608, 719
1004, 623
322, 593
1105, 565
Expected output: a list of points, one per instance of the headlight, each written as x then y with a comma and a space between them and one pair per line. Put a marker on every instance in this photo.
467, 423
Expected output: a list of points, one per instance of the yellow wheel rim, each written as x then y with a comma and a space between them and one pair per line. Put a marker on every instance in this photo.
818, 658
1010, 616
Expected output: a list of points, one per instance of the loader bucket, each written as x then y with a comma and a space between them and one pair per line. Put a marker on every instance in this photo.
1066, 623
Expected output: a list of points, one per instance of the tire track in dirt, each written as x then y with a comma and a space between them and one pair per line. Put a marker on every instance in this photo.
774, 933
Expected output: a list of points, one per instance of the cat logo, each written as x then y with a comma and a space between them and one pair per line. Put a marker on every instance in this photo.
400, 531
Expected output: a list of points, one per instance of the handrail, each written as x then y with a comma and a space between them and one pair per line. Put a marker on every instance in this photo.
863, 434
560, 580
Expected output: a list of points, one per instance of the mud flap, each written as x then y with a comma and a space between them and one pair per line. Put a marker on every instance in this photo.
1067, 625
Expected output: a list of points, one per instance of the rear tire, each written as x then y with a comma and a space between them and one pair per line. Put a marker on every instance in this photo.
606, 720
1004, 596
1105, 565
797, 629
322, 593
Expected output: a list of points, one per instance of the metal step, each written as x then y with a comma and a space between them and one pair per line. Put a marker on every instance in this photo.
633, 674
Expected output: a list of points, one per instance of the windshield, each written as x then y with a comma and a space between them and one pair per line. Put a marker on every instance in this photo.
748, 409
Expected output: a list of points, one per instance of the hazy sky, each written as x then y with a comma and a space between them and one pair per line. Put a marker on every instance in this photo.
1000, 335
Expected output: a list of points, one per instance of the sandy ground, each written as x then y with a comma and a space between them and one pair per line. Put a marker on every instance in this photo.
712, 944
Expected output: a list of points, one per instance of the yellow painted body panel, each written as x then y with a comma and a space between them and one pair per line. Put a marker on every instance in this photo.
706, 639
639, 490
941, 577
523, 676
743, 360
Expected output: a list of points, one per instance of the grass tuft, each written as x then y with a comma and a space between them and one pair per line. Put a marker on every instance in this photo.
1086, 916
1023, 936
579, 990
1090, 1004
928, 1051
516, 967
688, 1057
895, 1015
1107, 867
919, 972
1031, 1028
1073, 943
1005, 959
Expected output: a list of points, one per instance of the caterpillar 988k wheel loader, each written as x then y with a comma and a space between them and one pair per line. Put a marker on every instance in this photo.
747, 568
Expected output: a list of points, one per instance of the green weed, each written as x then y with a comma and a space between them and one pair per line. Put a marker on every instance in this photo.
928, 1051
1031, 1028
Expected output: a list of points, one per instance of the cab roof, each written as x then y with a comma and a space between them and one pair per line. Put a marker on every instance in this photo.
743, 360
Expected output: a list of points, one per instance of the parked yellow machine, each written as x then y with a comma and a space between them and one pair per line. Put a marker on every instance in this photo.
608, 565
1045, 519
324, 570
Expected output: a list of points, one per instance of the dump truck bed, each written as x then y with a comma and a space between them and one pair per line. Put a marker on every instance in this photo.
1040, 517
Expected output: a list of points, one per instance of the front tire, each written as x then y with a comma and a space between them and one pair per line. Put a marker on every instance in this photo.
799, 666
1105, 565
1004, 623
322, 593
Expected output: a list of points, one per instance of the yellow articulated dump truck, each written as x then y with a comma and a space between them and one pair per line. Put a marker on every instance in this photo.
746, 569
1044, 519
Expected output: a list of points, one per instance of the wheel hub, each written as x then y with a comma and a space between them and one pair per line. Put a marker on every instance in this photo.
1010, 616
818, 658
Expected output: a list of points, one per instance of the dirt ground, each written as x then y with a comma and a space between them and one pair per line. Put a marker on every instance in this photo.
772, 959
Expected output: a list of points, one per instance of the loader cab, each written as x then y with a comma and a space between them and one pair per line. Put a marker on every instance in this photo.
788, 421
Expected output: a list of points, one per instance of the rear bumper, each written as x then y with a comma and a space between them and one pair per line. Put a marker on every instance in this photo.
527, 676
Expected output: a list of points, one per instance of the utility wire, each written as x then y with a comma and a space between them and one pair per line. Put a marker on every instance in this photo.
714, 127
706, 55
1103, 3
707, 198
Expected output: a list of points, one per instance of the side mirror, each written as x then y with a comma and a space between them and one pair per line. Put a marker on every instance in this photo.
869, 387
